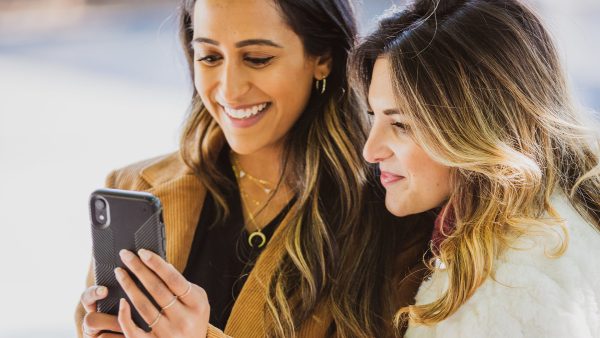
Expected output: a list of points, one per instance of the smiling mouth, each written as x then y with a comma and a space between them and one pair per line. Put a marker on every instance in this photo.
245, 113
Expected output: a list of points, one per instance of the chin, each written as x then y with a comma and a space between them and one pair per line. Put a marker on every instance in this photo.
396, 207
406, 205
242, 145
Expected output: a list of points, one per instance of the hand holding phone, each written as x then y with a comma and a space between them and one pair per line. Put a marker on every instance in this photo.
143, 293
129, 220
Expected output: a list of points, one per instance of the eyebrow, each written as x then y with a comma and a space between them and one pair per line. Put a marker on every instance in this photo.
386, 112
389, 112
240, 44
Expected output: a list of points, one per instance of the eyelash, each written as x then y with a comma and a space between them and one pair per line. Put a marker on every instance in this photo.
402, 126
259, 61
210, 60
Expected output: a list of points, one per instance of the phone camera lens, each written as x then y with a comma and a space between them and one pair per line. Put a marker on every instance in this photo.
99, 204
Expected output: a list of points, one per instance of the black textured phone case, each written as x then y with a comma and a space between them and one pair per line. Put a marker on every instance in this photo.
135, 223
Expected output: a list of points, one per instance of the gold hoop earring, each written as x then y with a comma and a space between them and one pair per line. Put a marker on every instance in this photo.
321, 85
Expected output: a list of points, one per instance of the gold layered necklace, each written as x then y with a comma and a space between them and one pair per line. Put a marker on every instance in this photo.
264, 186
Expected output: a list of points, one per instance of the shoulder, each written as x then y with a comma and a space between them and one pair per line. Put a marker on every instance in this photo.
145, 174
531, 293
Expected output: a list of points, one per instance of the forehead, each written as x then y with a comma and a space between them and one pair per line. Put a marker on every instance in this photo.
381, 89
238, 19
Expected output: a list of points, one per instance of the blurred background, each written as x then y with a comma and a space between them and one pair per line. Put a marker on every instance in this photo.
76, 77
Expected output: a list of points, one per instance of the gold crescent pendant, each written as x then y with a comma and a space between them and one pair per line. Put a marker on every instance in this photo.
263, 239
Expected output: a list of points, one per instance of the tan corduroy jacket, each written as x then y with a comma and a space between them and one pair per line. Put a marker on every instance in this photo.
182, 196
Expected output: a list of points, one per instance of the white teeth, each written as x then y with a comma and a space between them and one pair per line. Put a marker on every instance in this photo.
245, 113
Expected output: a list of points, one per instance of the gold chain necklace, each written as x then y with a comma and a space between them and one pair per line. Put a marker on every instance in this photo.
264, 186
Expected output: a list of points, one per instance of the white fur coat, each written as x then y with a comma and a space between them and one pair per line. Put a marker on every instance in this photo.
532, 295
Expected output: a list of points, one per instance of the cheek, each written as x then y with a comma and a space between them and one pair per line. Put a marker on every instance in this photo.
294, 83
201, 84
427, 178
291, 91
199, 79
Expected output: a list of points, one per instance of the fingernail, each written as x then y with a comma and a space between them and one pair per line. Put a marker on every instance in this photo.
126, 255
122, 304
101, 291
119, 273
144, 254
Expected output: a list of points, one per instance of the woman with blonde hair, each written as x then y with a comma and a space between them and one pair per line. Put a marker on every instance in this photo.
472, 115
268, 190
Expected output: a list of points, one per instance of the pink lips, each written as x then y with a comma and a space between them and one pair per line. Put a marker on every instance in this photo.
388, 179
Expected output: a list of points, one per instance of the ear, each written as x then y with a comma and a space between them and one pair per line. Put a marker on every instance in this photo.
323, 66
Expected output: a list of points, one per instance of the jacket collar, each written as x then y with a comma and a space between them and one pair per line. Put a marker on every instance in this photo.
182, 195
164, 169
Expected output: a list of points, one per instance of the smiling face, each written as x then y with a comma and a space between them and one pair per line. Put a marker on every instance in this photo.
251, 71
413, 181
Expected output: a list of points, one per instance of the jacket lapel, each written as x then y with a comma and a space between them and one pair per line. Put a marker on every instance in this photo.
182, 196
182, 200
247, 318
248, 321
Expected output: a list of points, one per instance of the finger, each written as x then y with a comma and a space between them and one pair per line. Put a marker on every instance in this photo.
87, 333
129, 328
94, 322
91, 295
155, 286
138, 299
167, 273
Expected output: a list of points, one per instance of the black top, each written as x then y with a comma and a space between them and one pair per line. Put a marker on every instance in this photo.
221, 258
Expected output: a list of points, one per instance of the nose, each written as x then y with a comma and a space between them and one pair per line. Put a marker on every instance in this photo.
234, 83
376, 149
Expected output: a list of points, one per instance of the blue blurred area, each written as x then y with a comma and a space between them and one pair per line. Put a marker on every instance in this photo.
132, 43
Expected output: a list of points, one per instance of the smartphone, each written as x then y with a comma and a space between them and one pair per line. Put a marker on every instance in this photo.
123, 219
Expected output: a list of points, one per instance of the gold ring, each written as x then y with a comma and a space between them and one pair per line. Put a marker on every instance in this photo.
171, 303
186, 291
155, 320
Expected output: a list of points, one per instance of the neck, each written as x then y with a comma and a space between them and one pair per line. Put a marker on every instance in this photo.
264, 163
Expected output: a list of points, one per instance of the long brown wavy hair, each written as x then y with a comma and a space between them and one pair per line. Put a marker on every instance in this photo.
322, 161
483, 89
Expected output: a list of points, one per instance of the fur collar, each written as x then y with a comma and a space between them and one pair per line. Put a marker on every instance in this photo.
531, 294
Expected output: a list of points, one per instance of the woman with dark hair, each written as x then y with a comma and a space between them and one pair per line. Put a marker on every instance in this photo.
473, 118
268, 193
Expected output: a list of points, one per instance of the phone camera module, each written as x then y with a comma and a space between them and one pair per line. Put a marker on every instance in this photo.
100, 212
99, 204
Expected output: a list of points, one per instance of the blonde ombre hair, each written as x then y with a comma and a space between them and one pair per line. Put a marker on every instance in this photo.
482, 86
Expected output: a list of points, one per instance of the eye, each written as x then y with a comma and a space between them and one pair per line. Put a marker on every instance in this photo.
258, 61
402, 127
210, 60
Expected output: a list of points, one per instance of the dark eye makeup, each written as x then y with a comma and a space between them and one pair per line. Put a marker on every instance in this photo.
261, 61
209, 59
